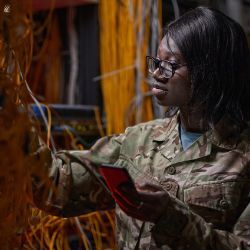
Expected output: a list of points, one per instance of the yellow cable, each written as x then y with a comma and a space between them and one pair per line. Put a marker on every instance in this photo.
47, 20
120, 22
55, 233
82, 234
92, 229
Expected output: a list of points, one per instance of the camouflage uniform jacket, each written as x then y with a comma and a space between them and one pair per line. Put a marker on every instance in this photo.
209, 184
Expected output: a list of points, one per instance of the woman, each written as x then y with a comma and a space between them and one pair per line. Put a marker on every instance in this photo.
192, 170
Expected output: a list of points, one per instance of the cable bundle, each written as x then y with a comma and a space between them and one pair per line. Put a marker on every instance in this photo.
15, 125
21, 225
124, 33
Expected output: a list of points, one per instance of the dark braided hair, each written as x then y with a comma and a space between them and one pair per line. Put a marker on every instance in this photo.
217, 55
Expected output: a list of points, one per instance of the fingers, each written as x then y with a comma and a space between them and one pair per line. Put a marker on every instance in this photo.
150, 197
157, 197
149, 186
148, 207
127, 199
150, 192
139, 212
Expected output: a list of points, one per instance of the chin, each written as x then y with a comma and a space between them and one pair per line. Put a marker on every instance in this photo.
163, 102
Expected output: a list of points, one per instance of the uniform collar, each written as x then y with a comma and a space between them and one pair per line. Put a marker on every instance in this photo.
162, 134
225, 135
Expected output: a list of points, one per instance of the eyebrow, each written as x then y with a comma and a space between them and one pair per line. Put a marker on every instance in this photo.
176, 55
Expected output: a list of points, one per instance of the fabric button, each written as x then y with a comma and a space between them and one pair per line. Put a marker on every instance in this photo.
168, 186
151, 225
223, 204
171, 170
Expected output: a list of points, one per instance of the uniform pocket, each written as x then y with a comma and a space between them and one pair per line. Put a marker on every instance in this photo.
217, 203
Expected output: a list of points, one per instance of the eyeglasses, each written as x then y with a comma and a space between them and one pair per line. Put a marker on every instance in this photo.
166, 68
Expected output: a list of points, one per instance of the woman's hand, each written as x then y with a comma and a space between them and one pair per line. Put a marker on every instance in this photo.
147, 204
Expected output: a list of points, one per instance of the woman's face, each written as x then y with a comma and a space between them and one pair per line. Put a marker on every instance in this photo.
176, 90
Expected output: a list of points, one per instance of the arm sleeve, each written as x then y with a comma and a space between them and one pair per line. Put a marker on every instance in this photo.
74, 186
180, 228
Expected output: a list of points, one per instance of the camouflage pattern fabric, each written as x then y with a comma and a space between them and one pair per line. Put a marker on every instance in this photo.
209, 184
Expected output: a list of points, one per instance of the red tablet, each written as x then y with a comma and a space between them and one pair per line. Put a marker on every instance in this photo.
119, 182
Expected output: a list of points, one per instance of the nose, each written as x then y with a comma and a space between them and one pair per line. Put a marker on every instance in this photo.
158, 77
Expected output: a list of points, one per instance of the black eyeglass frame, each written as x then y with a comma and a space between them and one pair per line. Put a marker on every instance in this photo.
174, 66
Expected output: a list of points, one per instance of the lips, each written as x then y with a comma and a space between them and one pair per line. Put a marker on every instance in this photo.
158, 90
